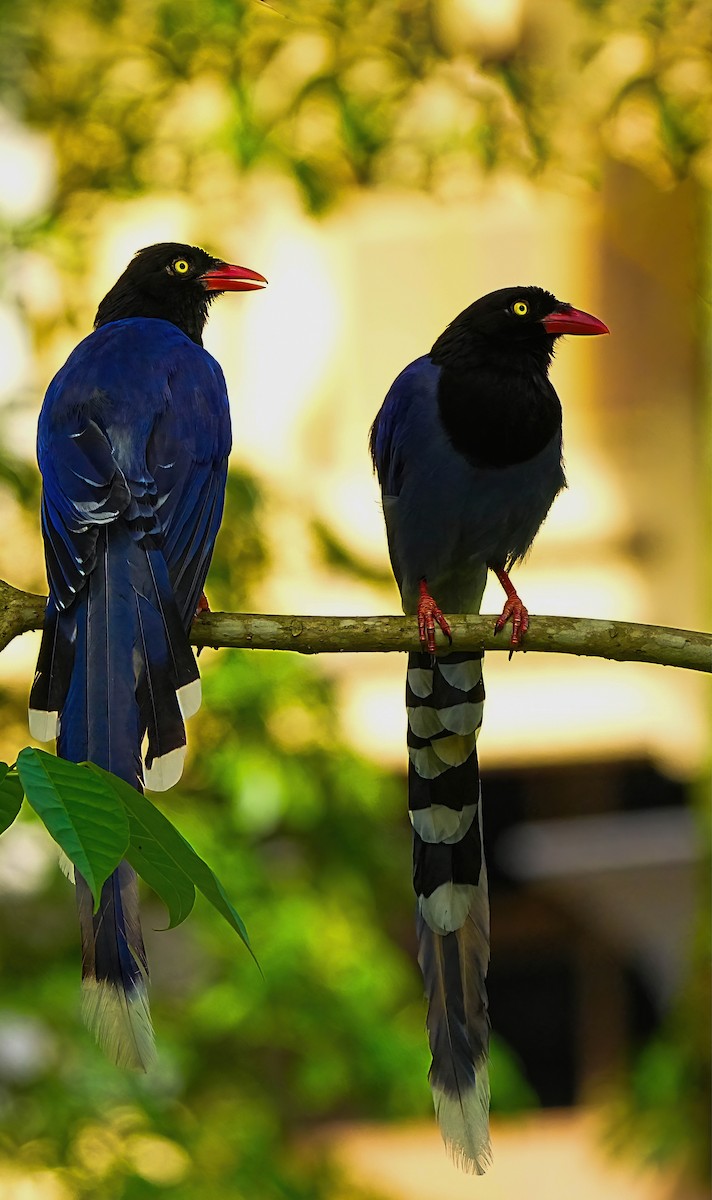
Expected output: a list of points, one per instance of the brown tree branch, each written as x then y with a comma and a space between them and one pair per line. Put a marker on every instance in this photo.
625, 642
19, 612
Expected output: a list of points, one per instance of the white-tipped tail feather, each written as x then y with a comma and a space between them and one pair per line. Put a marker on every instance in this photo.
446, 909
464, 675
442, 824
165, 771
120, 1024
44, 726
441, 754
65, 864
464, 1123
420, 681
189, 698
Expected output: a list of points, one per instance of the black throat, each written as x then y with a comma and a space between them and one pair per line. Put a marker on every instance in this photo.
496, 402
188, 310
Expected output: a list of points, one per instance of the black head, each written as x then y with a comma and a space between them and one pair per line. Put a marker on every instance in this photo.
511, 323
175, 283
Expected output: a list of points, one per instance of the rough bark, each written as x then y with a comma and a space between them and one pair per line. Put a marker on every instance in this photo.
625, 642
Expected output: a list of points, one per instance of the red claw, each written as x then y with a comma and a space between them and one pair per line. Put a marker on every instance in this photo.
428, 615
513, 609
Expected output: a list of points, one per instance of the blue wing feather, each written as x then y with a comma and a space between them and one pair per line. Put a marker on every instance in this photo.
389, 441
191, 526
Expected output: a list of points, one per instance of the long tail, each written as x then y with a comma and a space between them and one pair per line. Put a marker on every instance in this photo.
115, 664
115, 971
444, 699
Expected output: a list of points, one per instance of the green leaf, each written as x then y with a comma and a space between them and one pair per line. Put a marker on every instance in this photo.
147, 853
81, 813
152, 862
175, 863
11, 796
208, 883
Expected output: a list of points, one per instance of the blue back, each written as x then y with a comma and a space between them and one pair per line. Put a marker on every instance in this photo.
135, 427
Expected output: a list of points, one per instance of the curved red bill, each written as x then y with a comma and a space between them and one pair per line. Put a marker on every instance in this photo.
227, 278
573, 320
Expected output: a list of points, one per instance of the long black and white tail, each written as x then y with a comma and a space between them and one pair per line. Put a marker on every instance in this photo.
444, 699
115, 665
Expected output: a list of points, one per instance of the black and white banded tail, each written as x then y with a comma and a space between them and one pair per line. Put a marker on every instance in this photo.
444, 699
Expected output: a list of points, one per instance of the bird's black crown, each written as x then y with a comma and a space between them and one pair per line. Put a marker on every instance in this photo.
509, 318
163, 281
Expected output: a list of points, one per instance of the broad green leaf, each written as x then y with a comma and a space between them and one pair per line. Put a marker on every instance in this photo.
11, 796
208, 883
146, 852
80, 811
176, 851
149, 860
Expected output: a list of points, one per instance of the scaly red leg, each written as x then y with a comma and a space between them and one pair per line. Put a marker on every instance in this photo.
428, 615
513, 608
202, 605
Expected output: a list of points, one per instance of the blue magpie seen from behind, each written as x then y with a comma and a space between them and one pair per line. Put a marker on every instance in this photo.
467, 447
133, 440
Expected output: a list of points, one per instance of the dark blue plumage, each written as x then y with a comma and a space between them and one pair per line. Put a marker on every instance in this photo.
452, 518
133, 440
467, 447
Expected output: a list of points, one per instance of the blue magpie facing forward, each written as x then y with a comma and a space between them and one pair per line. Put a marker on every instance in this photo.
132, 443
467, 447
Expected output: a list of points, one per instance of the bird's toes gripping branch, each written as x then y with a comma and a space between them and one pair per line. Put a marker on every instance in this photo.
513, 610
428, 615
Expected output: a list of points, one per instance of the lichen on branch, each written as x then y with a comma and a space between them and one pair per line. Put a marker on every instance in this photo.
619, 640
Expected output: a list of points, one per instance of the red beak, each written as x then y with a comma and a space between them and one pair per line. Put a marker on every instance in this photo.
226, 278
573, 320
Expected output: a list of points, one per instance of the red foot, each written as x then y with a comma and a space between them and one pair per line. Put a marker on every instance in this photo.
428, 615
513, 609
202, 605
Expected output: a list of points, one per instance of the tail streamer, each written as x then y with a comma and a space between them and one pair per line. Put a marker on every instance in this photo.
125, 615
444, 700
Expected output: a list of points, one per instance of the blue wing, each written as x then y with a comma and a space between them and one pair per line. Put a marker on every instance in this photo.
415, 386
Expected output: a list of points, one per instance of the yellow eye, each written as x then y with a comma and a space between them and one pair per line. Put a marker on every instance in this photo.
520, 308
181, 267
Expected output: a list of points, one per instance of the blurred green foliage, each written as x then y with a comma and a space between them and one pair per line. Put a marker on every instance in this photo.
149, 94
